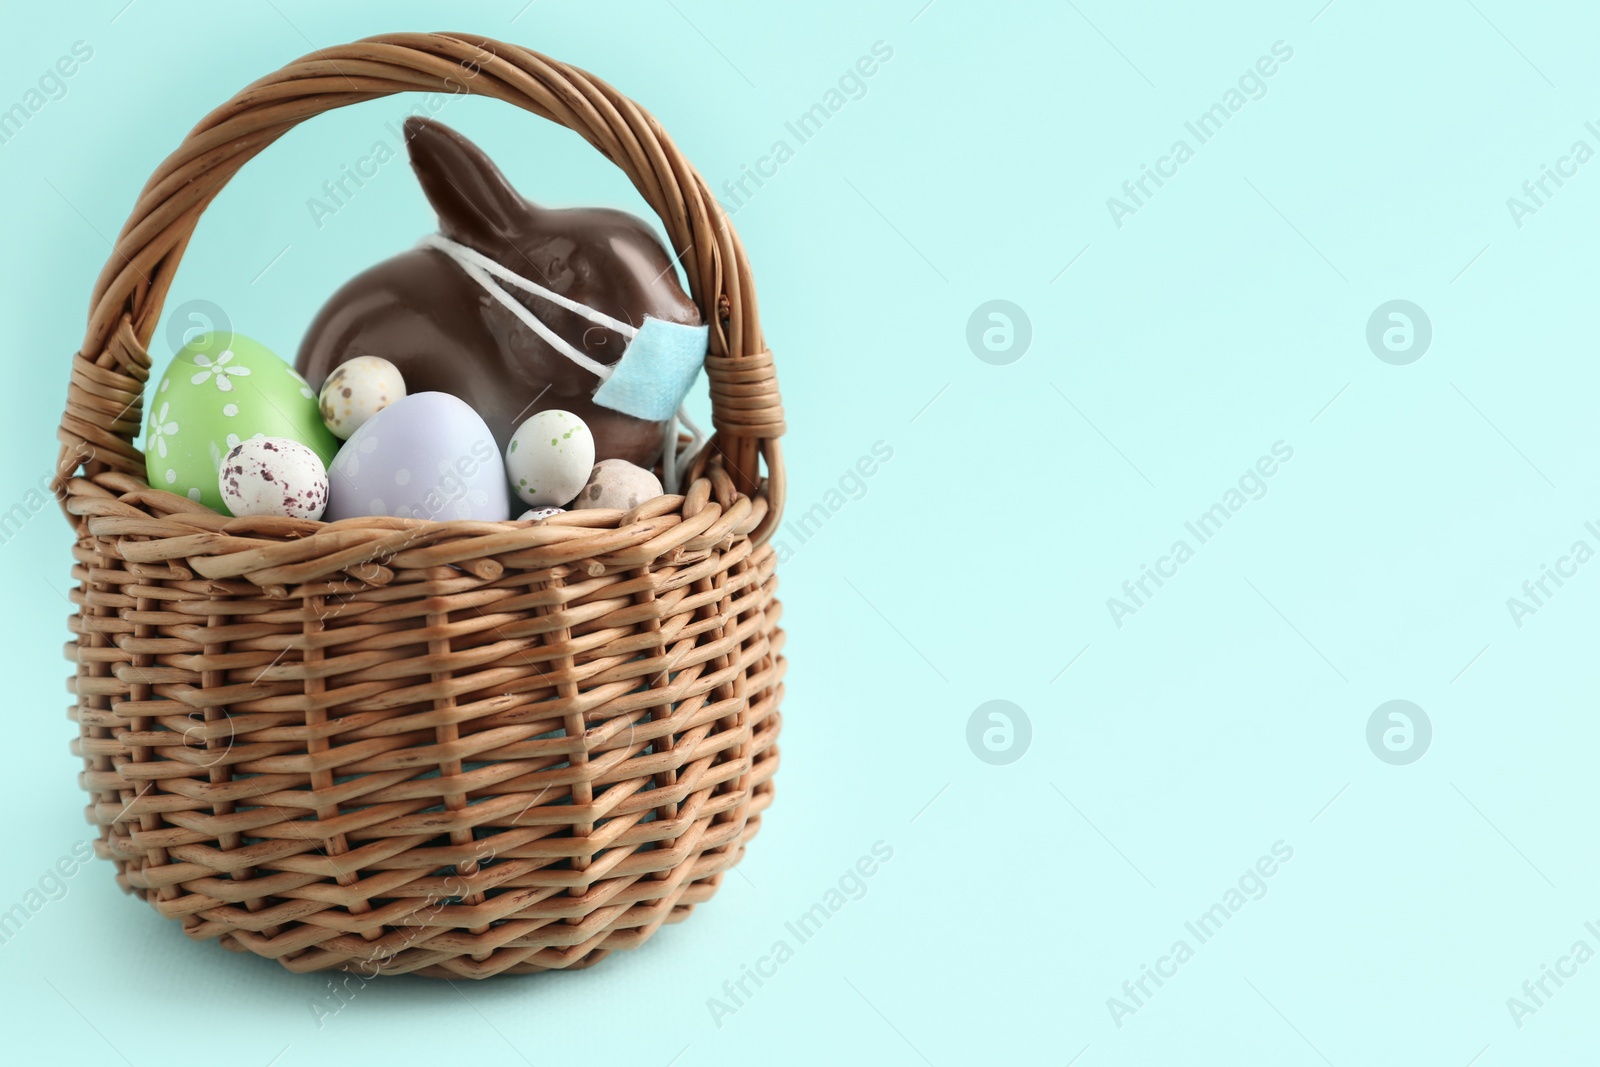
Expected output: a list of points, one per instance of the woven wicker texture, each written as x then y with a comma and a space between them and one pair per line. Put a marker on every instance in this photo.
453, 749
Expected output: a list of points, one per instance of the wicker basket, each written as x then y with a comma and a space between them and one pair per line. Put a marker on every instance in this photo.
453, 749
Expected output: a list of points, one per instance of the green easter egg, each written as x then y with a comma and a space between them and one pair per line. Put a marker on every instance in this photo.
222, 389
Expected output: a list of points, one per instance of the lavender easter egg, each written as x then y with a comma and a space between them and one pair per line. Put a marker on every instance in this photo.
424, 456
221, 389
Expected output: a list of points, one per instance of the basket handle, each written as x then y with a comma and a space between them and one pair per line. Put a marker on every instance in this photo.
105, 394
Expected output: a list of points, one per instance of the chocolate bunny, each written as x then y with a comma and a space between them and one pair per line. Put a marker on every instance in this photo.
444, 331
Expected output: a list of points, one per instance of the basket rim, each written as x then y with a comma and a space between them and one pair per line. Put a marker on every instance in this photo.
154, 527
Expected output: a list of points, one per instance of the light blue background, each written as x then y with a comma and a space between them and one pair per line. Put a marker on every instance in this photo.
1229, 713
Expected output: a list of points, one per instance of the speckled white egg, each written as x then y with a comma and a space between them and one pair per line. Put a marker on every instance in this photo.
535, 514
356, 390
274, 476
616, 483
549, 457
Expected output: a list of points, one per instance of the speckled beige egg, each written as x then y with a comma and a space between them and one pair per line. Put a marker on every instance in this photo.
616, 483
357, 390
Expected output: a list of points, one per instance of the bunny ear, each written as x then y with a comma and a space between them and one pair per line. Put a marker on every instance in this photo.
475, 203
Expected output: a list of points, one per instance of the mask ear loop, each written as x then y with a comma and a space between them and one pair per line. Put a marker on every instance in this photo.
469, 262
486, 272
464, 255
675, 468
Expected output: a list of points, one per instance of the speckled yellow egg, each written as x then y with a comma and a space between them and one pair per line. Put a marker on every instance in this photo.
356, 390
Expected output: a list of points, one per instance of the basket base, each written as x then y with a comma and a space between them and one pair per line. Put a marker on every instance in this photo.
510, 956
492, 965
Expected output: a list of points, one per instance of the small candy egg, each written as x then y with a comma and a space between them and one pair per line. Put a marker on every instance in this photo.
535, 514
356, 390
616, 483
274, 476
549, 457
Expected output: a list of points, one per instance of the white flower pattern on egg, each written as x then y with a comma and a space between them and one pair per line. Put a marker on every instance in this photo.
162, 429
224, 373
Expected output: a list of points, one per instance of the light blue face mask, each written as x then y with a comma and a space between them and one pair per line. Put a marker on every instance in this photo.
650, 381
